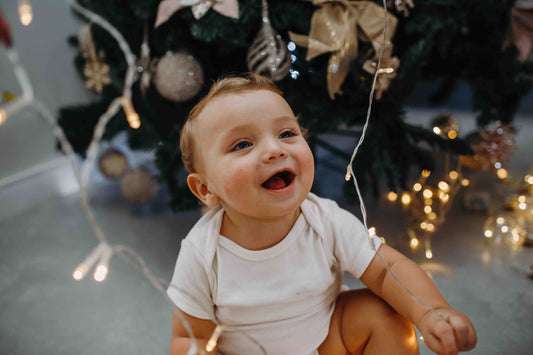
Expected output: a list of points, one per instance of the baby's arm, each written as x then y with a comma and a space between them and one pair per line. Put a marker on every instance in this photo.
181, 341
449, 336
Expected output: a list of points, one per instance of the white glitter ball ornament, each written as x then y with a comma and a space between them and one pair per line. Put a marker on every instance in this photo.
178, 76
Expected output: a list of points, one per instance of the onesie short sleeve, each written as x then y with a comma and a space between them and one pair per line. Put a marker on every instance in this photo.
352, 246
190, 288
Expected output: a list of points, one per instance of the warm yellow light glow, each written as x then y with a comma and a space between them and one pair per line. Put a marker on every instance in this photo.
131, 115
100, 273
502, 173
521, 198
430, 227
505, 229
428, 202
500, 220
522, 205
392, 196
429, 254
426, 173
444, 186
25, 13
372, 231
423, 225
3, 116
452, 134
436, 130
488, 233
427, 209
417, 187
212, 343
465, 182
528, 179
406, 199
444, 197
414, 243
78, 274
427, 193
432, 216
454, 175
516, 236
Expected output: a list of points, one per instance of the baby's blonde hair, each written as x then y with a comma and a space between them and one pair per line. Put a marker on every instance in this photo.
223, 86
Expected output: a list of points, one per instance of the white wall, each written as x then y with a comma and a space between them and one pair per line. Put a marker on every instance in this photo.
26, 141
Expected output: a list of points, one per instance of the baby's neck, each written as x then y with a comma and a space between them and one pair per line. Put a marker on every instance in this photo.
257, 234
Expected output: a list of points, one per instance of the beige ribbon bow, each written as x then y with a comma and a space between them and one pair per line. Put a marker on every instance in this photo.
336, 27
228, 8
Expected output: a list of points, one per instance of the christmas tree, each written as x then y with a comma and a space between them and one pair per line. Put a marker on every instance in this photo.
322, 54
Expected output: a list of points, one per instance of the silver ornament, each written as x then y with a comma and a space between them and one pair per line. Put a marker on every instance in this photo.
268, 54
178, 76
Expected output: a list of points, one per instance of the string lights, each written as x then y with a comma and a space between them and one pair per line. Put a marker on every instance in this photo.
25, 12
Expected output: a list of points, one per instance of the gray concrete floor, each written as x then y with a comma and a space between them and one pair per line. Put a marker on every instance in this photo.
44, 311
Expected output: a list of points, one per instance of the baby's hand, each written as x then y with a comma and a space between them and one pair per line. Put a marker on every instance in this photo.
449, 336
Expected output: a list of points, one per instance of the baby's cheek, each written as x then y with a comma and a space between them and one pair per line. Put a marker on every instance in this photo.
235, 180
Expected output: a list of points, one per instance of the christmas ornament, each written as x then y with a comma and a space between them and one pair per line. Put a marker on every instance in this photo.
401, 5
95, 70
445, 125
138, 186
522, 28
178, 76
491, 146
268, 54
228, 8
336, 27
5, 32
113, 163
388, 64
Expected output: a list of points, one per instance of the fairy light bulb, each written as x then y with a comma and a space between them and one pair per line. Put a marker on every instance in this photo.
131, 115
406, 199
521, 198
426, 173
414, 243
430, 227
423, 225
452, 134
500, 220
437, 130
505, 229
427, 209
465, 182
25, 12
432, 216
212, 343
529, 179
83, 268
453, 175
102, 269
444, 197
392, 196
429, 254
488, 233
417, 187
502, 173
348, 175
522, 205
444, 186
427, 193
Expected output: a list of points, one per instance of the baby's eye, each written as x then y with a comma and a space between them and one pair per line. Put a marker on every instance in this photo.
242, 145
287, 134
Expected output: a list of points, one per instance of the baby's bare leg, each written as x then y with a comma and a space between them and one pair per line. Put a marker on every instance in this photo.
363, 323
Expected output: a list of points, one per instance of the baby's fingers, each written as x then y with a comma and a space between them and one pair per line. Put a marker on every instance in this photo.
465, 335
442, 339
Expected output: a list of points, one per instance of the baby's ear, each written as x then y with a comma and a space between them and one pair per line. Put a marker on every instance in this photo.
198, 186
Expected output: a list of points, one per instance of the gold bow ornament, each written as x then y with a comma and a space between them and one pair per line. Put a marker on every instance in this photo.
388, 67
228, 8
336, 27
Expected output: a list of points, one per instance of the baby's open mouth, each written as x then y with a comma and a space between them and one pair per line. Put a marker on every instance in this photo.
279, 180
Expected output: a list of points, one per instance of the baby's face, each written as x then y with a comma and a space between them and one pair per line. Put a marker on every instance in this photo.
252, 154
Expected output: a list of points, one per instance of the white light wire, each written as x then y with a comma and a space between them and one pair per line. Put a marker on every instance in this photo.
351, 174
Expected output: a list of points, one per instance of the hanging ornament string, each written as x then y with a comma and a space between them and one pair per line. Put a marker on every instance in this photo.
350, 172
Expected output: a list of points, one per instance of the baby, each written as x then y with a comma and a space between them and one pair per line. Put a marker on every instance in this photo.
267, 260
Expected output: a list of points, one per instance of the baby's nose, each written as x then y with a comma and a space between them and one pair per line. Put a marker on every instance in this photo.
274, 151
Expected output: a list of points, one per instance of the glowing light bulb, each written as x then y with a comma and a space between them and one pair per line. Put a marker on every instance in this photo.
427, 193
427, 209
428, 201
453, 175
348, 175
83, 268
436, 130
212, 343
131, 115
429, 254
444, 186
488, 233
500, 220
414, 242
417, 187
522, 198
423, 225
406, 199
426, 173
444, 196
432, 216
528, 179
430, 227
502, 173
392, 196
465, 182
79, 274
452, 134
102, 269
372, 232
522, 205
100, 273
505, 229
25, 12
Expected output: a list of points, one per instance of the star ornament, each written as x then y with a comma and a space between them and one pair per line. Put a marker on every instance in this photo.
387, 70
167, 8
97, 74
